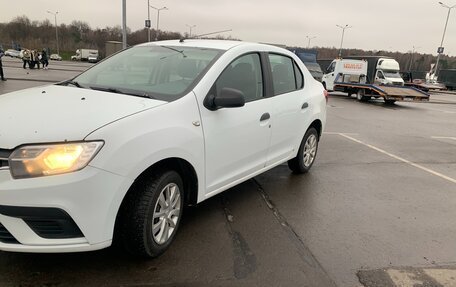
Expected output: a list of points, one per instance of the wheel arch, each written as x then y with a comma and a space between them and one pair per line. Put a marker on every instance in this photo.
317, 124
183, 168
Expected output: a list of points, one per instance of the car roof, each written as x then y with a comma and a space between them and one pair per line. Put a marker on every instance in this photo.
211, 44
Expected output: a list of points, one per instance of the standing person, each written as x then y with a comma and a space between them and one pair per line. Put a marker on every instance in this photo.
1, 66
32, 59
37, 59
26, 58
44, 59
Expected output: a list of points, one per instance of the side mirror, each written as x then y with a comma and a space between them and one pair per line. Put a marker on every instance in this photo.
228, 98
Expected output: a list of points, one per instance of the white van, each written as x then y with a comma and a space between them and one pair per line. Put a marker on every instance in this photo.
340, 67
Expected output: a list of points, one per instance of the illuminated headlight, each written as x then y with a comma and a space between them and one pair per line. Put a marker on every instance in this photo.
43, 160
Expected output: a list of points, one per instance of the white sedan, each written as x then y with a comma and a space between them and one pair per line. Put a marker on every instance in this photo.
12, 53
55, 57
116, 153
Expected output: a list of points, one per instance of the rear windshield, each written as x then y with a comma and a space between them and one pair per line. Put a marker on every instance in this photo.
163, 73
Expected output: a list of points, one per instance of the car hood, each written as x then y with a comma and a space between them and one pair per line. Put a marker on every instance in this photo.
61, 113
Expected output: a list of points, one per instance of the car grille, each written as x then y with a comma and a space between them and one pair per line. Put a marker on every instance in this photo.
4, 154
397, 83
6, 237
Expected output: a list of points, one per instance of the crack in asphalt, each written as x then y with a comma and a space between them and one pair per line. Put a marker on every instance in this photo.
316, 272
245, 261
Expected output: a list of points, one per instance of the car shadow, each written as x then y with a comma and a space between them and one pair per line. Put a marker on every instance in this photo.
202, 252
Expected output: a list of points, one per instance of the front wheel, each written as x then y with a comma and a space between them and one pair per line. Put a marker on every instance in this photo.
152, 213
361, 96
306, 154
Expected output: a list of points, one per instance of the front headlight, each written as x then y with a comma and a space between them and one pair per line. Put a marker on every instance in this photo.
42, 160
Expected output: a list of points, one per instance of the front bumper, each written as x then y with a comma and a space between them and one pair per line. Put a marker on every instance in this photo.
63, 213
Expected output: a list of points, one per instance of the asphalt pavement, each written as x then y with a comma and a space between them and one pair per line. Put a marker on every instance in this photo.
377, 209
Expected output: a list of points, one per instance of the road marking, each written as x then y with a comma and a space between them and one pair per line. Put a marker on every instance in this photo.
445, 138
446, 277
403, 278
334, 133
409, 277
401, 159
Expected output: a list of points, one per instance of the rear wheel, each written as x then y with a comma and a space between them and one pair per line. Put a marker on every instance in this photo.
151, 214
306, 153
390, 102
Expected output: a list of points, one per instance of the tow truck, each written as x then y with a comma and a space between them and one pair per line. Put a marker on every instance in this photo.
369, 77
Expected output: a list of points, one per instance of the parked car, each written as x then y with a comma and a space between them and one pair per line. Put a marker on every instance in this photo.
120, 149
12, 53
92, 59
55, 57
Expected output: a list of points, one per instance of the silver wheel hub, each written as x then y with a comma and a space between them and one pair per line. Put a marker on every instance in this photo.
166, 213
310, 150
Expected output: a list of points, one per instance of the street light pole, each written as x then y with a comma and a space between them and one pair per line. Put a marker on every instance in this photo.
444, 31
342, 39
148, 17
190, 27
412, 56
124, 24
56, 30
158, 18
309, 38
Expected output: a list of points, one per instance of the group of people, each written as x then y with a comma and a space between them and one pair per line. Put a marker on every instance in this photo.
34, 58
31, 58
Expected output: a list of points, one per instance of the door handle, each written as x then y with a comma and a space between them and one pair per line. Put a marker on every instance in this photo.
304, 106
265, 116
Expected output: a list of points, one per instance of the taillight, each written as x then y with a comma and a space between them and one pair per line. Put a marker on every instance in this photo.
325, 92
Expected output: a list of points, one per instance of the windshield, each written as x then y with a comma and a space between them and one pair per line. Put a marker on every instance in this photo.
159, 72
392, 74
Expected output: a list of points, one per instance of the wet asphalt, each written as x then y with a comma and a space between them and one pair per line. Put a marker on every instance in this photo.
381, 195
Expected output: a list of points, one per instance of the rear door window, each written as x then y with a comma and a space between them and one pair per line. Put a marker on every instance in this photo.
283, 74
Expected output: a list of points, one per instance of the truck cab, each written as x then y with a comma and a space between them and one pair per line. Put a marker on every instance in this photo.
344, 70
387, 72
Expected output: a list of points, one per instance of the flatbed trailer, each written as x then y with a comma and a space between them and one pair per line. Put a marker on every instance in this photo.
389, 93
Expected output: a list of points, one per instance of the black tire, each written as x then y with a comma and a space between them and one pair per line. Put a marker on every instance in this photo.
390, 102
137, 214
324, 85
299, 164
361, 96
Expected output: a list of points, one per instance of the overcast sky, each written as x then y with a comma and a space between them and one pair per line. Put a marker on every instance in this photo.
393, 25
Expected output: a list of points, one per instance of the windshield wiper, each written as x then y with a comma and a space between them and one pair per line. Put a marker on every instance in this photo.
111, 90
117, 91
71, 82
174, 49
